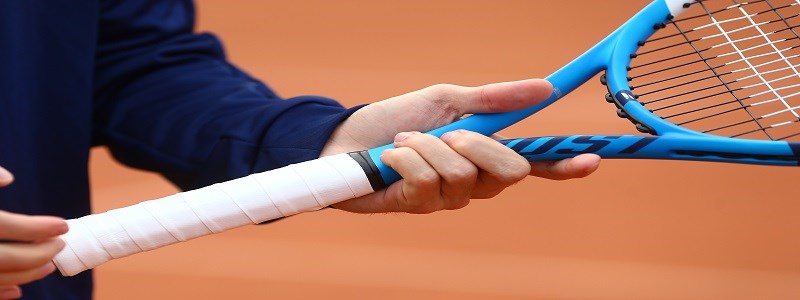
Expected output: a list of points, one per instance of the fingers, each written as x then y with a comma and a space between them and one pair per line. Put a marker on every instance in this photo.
491, 98
446, 173
23, 277
24, 228
576, 167
10, 292
5, 177
435, 176
22, 263
499, 166
422, 183
457, 173
18, 257
31, 243
26, 276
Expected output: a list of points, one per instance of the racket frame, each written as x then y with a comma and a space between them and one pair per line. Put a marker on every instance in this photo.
613, 54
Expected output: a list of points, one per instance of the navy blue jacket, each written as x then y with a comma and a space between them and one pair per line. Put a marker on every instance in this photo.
132, 75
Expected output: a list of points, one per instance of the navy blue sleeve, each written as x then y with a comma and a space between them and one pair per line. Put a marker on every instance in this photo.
167, 100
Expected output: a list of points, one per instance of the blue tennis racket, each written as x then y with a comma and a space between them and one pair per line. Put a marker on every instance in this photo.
711, 80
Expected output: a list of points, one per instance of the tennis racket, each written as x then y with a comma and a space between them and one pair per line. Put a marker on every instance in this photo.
717, 84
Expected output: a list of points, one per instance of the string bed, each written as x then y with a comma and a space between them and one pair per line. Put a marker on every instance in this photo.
728, 68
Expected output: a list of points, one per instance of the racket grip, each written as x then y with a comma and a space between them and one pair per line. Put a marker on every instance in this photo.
307, 186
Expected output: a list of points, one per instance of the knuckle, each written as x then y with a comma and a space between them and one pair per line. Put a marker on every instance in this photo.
428, 178
520, 169
485, 101
462, 173
444, 97
466, 140
463, 140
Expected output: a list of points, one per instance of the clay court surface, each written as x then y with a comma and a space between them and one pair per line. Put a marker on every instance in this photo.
634, 230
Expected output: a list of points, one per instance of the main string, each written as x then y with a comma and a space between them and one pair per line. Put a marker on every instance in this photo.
729, 69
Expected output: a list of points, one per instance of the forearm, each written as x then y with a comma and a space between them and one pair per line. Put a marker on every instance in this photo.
167, 100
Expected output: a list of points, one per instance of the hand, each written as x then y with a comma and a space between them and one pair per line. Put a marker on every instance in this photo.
446, 173
29, 244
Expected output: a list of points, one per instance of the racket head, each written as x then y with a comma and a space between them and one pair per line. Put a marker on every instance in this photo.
617, 55
721, 80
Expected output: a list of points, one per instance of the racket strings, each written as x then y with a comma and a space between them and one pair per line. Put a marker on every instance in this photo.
699, 60
731, 68
682, 33
721, 85
702, 59
712, 36
710, 48
724, 83
777, 51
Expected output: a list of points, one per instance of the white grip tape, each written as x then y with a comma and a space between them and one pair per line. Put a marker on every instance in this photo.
308, 186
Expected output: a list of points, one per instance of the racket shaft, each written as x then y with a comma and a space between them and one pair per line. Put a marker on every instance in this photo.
699, 148
308, 186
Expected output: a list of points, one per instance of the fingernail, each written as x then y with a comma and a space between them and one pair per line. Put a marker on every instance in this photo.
383, 156
60, 243
450, 135
61, 228
5, 176
401, 136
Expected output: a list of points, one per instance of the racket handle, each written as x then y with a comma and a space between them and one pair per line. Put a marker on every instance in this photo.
307, 186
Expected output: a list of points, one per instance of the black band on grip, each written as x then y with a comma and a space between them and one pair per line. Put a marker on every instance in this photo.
370, 169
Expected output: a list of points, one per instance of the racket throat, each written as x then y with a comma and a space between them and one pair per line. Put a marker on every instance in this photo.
619, 99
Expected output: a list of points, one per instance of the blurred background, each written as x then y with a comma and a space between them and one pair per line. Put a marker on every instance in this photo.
634, 230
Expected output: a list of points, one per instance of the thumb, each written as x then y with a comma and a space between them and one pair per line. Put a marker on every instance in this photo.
504, 96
